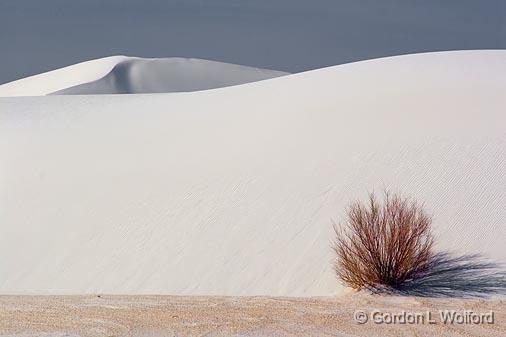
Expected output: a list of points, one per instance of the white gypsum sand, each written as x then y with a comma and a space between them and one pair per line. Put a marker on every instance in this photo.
232, 191
59, 79
132, 75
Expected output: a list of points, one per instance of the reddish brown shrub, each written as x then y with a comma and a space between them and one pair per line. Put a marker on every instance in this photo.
383, 245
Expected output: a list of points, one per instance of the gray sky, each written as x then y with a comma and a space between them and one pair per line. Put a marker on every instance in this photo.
289, 35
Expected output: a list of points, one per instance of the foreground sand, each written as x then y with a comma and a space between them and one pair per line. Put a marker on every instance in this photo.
235, 316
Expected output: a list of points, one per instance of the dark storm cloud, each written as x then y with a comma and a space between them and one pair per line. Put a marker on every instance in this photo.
289, 35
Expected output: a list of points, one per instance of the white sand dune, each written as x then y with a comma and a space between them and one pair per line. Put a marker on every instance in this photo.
232, 191
133, 75
60, 79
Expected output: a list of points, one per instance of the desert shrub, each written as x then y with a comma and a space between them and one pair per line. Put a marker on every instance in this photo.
383, 245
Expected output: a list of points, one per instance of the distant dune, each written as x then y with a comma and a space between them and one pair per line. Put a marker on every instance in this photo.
133, 75
233, 191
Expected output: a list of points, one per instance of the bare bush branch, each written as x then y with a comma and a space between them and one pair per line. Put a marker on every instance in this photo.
383, 245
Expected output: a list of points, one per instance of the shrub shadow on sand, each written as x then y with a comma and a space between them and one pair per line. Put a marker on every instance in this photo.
469, 275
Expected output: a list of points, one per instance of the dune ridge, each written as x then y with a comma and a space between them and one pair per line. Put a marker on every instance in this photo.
133, 75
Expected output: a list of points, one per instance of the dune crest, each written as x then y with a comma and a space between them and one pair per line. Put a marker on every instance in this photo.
134, 75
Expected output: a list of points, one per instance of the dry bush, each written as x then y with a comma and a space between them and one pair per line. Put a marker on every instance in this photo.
383, 245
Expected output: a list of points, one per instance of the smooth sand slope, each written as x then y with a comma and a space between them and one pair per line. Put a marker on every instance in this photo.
232, 191
133, 75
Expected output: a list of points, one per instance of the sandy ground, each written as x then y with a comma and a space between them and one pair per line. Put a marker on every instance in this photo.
240, 316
